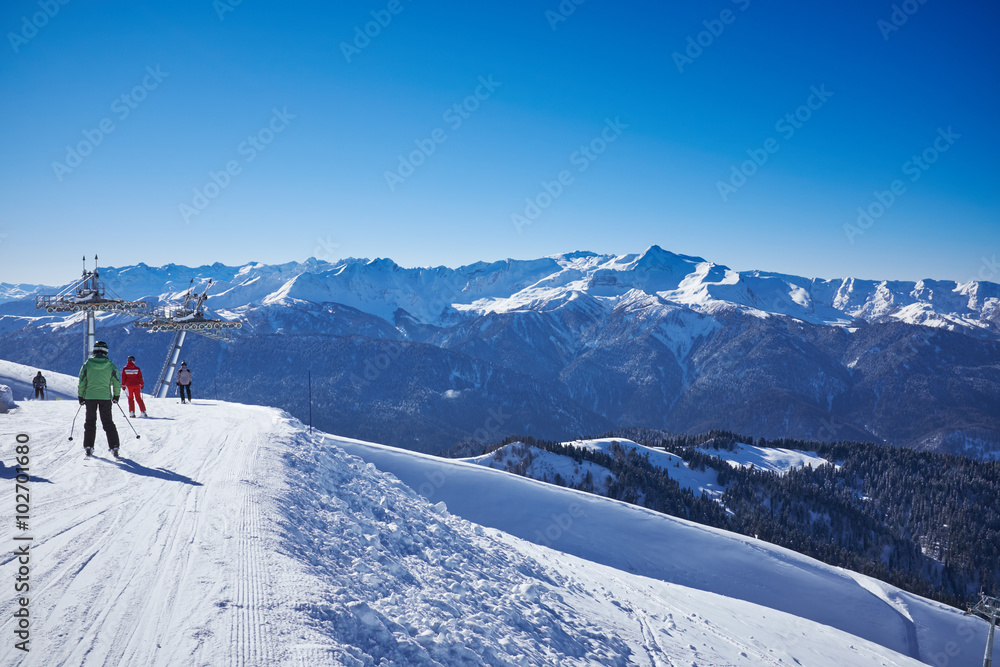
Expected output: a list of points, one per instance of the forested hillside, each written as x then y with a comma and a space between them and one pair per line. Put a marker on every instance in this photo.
929, 523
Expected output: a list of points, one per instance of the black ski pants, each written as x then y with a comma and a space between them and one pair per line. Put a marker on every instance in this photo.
185, 388
90, 423
39, 393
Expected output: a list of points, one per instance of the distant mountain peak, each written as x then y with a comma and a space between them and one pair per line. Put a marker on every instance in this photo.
381, 286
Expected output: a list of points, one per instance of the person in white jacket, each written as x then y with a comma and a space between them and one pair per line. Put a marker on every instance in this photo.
184, 382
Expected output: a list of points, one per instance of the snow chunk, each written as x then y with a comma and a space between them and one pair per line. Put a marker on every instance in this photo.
6, 399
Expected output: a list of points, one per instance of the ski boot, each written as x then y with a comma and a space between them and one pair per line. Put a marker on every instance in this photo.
87, 451
144, 414
132, 414
114, 450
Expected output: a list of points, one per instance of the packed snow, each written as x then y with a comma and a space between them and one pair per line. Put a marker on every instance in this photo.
230, 535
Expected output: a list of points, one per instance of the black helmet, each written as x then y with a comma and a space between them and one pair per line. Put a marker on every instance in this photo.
184, 363
131, 358
100, 347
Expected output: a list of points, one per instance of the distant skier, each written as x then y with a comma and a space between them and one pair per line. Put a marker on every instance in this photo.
184, 381
38, 382
99, 387
132, 379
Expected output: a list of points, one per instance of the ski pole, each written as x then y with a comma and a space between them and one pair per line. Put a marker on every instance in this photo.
127, 421
73, 425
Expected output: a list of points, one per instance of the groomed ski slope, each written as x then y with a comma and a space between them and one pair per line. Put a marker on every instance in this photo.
230, 536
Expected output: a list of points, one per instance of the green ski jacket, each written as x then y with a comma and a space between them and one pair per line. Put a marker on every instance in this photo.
97, 377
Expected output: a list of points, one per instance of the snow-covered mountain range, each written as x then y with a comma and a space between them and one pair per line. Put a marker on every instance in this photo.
572, 344
430, 295
228, 534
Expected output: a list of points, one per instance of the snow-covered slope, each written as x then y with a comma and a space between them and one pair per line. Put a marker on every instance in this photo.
18, 377
539, 464
546, 466
229, 535
772, 459
664, 548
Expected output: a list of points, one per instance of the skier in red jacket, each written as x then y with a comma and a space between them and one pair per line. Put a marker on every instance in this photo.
132, 379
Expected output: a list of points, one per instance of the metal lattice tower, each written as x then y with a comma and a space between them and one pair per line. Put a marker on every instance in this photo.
88, 295
988, 608
189, 316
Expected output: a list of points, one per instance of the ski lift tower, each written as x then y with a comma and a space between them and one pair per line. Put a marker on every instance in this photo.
988, 608
189, 316
88, 295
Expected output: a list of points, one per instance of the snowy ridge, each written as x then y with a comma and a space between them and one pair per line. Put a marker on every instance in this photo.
543, 465
265, 545
668, 549
380, 287
9, 292
536, 463
770, 459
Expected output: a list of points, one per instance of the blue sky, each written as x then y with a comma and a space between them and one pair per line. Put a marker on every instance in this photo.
743, 132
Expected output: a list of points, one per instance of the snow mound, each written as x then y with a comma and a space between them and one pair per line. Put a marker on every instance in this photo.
6, 399
393, 578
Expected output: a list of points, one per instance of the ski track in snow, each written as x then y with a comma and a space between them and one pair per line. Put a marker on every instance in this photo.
228, 535
134, 542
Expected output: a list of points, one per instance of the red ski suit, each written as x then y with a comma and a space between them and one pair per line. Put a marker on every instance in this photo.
132, 379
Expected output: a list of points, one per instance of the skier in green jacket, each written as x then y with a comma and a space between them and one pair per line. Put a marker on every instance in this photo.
99, 387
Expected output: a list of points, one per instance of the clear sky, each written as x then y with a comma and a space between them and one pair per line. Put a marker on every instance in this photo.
744, 132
